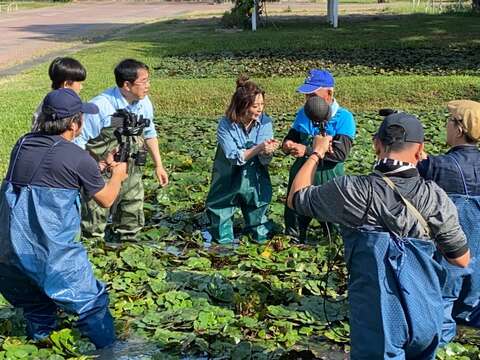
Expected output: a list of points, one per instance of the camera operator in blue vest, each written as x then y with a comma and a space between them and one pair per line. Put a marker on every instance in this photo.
43, 266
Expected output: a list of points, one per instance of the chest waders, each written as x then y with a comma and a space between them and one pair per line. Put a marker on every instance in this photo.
296, 225
395, 296
247, 187
43, 266
462, 289
127, 211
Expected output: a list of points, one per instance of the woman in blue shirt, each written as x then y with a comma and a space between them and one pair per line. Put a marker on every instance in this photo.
240, 176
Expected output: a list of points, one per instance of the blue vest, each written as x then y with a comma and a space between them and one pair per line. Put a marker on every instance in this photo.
395, 296
462, 289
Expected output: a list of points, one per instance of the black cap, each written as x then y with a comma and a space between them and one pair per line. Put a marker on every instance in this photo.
412, 129
64, 102
317, 109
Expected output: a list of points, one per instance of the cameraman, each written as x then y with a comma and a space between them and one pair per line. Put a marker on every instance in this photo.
392, 220
131, 93
43, 266
298, 143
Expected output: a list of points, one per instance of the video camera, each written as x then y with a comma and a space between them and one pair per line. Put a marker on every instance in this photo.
128, 126
319, 112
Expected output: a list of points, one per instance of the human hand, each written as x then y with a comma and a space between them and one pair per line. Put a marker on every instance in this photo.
322, 144
287, 145
119, 170
106, 162
162, 175
298, 150
270, 146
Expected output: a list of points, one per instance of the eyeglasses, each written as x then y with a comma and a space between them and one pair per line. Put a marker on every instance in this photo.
141, 83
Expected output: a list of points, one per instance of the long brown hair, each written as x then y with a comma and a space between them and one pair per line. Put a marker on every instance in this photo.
243, 97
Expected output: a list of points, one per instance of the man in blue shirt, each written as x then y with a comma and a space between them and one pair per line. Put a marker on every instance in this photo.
298, 143
43, 266
131, 93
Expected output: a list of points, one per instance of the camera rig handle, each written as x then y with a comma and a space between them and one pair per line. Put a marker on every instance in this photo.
128, 126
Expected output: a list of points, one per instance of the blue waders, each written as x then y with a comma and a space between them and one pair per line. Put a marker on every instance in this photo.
43, 267
462, 289
395, 296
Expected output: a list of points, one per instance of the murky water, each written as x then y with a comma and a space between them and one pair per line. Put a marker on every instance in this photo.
139, 349
136, 349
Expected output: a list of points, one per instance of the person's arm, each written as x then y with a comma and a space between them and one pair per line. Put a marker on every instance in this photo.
92, 183
106, 196
305, 175
234, 154
290, 140
265, 135
341, 147
460, 261
292, 143
152, 146
445, 227
344, 130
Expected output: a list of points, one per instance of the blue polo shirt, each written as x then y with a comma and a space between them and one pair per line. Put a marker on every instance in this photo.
444, 171
342, 122
108, 103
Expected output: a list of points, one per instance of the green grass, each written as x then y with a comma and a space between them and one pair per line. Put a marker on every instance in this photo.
361, 87
25, 5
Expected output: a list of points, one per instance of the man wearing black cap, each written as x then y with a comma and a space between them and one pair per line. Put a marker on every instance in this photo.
43, 266
392, 220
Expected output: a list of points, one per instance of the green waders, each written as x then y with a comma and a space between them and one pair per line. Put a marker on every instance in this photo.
247, 187
297, 225
127, 211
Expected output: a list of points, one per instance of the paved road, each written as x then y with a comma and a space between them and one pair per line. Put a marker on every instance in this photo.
32, 36
30, 33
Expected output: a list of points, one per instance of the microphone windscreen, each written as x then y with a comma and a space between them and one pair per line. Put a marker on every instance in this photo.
317, 109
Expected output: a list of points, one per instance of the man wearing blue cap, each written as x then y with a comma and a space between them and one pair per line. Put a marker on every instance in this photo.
392, 222
43, 266
298, 143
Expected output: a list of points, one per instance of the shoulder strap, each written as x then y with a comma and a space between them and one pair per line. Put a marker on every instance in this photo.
465, 189
408, 204
38, 165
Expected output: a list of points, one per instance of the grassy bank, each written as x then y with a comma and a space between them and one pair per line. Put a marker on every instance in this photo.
257, 302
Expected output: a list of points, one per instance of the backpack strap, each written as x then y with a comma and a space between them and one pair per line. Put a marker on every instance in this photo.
408, 204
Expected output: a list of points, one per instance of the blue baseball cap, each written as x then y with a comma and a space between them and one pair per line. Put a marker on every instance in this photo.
64, 102
315, 80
